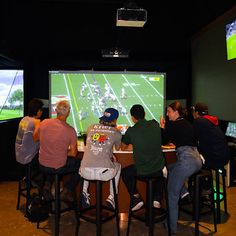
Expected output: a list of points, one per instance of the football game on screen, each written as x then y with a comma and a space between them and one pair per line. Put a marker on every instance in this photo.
90, 93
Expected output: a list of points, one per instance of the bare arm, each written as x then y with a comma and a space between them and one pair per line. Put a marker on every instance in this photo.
36, 130
73, 151
117, 147
126, 147
162, 122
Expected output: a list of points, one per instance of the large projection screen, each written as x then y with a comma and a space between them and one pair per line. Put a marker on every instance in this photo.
91, 92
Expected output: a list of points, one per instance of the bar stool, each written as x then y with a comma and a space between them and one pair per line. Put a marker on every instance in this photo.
103, 213
150, 215
24, 191
56, 210
198, 178
220, 195
197, 205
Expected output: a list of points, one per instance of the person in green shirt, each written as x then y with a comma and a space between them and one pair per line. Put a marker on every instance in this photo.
145, 137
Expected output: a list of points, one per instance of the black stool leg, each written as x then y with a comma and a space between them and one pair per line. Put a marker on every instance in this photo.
57, 205
129, 219
130, 215
167, 207
27, 188
28, 185
150, 206
116, 206
79, 207
197, 206
18, 196
212, 203
98, 208
218, 196
224, 191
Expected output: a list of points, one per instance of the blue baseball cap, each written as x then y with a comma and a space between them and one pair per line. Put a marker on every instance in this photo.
109, 115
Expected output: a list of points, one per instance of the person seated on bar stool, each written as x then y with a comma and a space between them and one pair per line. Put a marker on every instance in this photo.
180, 132
98, 162
145, 136
26, 148
58, 152
212, 144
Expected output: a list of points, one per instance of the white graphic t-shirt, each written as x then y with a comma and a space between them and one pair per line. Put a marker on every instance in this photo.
99, 146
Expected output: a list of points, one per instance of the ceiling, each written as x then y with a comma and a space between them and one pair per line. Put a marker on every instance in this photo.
80, 29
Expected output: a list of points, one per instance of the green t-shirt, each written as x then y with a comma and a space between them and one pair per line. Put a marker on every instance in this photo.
145, 136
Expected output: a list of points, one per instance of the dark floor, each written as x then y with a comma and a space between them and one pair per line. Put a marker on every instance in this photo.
13, 222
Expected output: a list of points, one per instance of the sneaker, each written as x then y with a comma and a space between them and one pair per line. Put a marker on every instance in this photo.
136, 203
110, 202
185, 198
85, 200
184, 195
156, 204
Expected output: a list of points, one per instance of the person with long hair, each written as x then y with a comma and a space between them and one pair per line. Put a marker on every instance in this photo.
179, 132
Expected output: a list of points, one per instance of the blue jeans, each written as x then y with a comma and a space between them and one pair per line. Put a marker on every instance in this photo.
188, 162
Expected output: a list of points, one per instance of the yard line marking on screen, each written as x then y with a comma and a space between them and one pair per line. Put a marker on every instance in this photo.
138, 95
90, 90
117, 98
153, 87
74, 98
72, 110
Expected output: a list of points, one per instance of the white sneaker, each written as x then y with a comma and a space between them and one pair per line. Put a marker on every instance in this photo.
156, 204
110, 202
184, 195
85, 201
136, 203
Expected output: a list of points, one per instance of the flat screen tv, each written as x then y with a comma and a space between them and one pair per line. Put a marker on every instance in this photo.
91, 92
231, 130
11, 94
231, 40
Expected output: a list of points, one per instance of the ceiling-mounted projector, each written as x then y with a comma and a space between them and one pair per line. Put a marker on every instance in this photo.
115, 52
131, 17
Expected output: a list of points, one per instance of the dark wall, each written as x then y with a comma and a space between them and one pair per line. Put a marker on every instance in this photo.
213, 75
9, 169
36, 82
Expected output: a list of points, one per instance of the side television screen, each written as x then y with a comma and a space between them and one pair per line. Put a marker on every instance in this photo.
91, 92
11, 94
231, 130
231, 40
